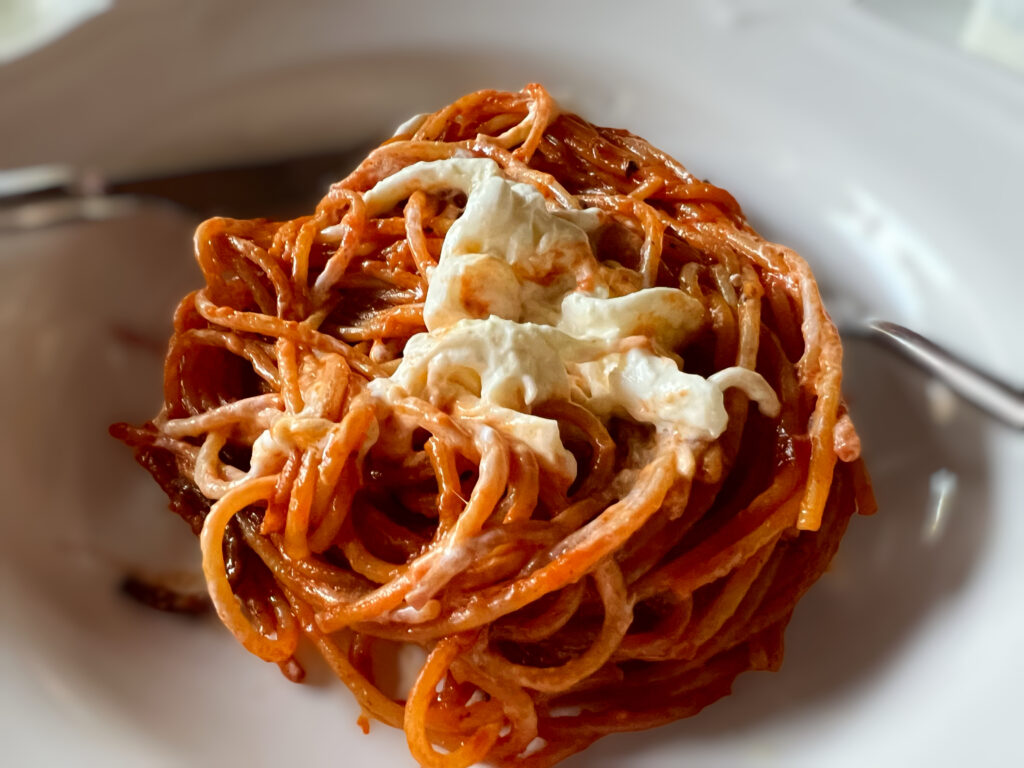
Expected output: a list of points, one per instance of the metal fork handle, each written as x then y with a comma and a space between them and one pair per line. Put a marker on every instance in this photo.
45, 213
992, 395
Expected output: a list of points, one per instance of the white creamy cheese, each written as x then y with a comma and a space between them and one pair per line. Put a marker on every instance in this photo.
653, 390
517, 314
493, 371
411, 125
475, 285
506, 255
514, 365
666, 315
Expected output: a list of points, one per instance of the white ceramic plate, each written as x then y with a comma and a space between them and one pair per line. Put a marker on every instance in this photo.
891, 163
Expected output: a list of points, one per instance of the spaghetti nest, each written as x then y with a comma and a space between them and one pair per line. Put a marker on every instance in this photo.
554, 605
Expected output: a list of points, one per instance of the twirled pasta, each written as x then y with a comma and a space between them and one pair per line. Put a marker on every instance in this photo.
623, 588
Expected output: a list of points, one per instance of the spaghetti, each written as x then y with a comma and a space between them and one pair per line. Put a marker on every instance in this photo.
527, 394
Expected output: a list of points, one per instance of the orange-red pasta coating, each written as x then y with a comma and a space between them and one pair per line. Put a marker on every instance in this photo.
550, 615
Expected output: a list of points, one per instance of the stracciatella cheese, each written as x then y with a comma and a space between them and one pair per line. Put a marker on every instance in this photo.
518, 313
